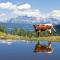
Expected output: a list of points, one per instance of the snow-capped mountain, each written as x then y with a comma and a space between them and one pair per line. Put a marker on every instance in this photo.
27, 22
32, 20
21, 19
51, 21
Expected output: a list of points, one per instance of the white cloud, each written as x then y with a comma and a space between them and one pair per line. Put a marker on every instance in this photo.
11, 6
54, 14
25, 10
24, 6
3, 17
2, 14
7, 5
30, 13
35, 13
20, 10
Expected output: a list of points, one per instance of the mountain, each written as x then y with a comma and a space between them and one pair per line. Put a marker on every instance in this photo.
32, 20
21, 19
25, 26
51, 21
27, 23
57, 27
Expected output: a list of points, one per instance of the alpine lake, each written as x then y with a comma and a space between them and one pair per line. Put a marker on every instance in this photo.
29, 50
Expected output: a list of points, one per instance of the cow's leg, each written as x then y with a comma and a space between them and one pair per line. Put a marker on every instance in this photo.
37, 33
49, 32
49, 44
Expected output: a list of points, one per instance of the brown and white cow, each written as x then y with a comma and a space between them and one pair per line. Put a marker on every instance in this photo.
43, 27
43, 48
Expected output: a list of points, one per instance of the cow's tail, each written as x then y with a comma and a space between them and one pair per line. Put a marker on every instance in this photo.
53, 28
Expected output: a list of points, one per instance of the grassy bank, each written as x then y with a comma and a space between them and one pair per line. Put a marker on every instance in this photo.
52, 38
4, 36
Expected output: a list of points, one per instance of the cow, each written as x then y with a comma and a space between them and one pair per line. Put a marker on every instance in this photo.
43, 48
43, 27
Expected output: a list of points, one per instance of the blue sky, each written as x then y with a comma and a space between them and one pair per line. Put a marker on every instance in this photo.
43, 5
35, 8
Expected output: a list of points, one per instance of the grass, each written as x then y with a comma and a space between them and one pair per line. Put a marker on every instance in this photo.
51, 38
4, 36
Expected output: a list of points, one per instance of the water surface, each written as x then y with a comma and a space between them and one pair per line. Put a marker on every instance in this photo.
19, 50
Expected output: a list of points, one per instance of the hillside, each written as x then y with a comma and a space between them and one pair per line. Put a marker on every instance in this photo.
28, 27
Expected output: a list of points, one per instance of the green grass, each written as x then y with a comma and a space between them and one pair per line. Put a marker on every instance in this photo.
4, 36
51, 38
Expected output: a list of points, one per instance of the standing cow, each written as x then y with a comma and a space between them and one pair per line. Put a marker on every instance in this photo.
43, 48
43, 27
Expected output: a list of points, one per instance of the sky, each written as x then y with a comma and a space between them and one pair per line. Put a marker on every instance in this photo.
43, 5
36, 8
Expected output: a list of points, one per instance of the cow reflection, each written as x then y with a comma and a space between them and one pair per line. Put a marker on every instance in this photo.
43, 48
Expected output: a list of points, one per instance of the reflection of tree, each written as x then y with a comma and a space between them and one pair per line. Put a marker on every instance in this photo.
43, 48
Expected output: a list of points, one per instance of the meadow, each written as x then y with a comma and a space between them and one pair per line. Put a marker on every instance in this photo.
21, 34
10, 37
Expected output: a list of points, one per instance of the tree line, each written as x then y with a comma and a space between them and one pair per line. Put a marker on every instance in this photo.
21, 32
16, 31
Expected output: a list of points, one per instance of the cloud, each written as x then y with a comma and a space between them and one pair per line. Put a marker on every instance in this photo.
7, 5
29, 13
25, 10
3, 17
24, 6
2, 14
20, 10
11, 6
55, 14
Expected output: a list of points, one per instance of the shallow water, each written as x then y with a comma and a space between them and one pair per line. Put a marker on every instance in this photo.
19, 50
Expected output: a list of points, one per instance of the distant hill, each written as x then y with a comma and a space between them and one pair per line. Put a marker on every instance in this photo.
18, 25
33, 20
25, 26
57, 27
26, 23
